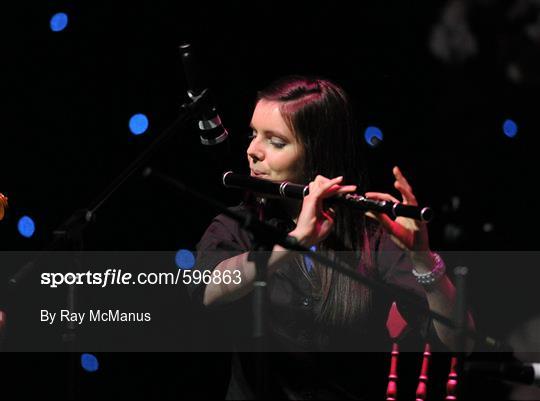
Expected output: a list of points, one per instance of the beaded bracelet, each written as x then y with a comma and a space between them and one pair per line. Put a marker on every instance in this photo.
434, 275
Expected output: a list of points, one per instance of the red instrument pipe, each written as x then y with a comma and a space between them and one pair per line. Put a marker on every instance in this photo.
452, 383
391, 390
421, 390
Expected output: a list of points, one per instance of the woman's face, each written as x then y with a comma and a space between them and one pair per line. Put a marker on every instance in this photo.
274, 153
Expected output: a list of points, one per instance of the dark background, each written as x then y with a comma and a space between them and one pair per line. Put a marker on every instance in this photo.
68, 96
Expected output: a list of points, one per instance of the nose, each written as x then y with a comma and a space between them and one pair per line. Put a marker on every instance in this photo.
254, 151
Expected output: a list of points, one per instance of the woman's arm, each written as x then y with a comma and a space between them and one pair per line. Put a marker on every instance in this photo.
441, 298
215, 294
412, 236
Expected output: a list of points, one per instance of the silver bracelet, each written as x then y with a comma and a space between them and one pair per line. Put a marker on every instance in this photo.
434, 275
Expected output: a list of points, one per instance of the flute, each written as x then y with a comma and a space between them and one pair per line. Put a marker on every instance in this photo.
287, 189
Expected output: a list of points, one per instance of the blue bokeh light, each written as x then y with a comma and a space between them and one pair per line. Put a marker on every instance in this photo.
510, 128
373, 136
59, 22
138, 124
89, 362
185, 259
26, 226
308, 261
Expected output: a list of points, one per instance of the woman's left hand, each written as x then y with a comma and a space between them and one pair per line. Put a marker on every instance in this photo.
409, 234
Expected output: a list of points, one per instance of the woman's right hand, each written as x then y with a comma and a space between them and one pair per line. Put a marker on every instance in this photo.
314, 222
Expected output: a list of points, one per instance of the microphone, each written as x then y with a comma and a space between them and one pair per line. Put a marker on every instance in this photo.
286, 189
212, 131
519, 372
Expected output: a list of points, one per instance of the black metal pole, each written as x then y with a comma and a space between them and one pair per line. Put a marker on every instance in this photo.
79, 220
260, 256
461, 323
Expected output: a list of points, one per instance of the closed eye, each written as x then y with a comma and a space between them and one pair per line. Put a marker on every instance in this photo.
274, 141
277, 144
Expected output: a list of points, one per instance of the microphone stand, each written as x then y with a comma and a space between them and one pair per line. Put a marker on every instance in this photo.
69, 235
260, 256
461, 319
74, 226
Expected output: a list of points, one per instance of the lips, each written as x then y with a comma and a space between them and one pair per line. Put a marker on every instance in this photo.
256, 173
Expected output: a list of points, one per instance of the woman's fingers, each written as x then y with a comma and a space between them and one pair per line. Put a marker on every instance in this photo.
328, 215
408, 196
401, 178
346, 189
381, 196
404, 232
323, 187
322, 183
403, 186
321, 180
386, 221
398, 233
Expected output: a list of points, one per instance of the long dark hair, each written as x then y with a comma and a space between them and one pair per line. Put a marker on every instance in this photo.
319, 114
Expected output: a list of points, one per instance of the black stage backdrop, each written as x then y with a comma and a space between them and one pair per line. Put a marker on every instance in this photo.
68, 97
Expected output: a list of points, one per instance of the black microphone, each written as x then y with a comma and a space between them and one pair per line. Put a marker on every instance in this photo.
212, 131
519, 372
286, 189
